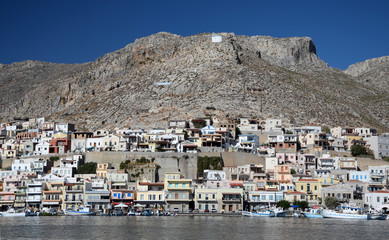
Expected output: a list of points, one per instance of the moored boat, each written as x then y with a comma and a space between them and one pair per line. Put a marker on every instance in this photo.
346, 212
278, 212
379, 216
313, 213
265, 213
12, 213
83, 211
247, 213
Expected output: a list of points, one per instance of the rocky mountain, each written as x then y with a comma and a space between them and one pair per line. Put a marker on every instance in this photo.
374, 72
256, 76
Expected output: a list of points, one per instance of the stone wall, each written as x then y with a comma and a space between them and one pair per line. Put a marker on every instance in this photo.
169, 162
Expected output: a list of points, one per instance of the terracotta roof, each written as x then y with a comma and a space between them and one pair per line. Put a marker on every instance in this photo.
236, 184
381, 192
273, 181
354, 181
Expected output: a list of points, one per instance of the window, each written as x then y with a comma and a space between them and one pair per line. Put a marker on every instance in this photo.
142, 197
115, 195
200, 196
263, 197
170, 185
184, 185
176, 185
128, 194
302, 188
213, 196
271, 197
183, 195
170, 195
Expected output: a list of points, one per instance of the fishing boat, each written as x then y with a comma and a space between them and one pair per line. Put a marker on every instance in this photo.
82, 211
313, 213
346, 212
264, 213
247, 213
12, 213
278, 212
379, 216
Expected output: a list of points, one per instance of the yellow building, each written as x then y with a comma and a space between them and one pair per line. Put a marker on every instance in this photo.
101, 169
10, 149
111, 142
327, 181
311, 187
150, 194
61, 135
196, 140
52, 195
179, 192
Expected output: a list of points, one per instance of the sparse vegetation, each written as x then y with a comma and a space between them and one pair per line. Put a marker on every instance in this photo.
357, 150
213, 163
87, 168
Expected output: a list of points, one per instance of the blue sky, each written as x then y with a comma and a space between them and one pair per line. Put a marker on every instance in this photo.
344, 32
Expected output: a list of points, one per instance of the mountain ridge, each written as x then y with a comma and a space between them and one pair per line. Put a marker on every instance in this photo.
118, 88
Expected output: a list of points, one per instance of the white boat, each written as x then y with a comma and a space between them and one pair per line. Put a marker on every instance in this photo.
265, 213
346, 212
278, 212
313, 213
82, 211
12, 213
247, 214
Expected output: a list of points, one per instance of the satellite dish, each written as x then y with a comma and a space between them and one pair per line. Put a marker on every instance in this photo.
163, 84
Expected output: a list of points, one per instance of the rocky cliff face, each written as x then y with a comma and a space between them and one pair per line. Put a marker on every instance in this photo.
120, 88
373, 72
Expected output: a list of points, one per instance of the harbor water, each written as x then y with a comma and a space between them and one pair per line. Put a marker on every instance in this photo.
188, 227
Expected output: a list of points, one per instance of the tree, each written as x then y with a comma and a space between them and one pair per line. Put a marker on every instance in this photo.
284, 204
357, 150
237, 132
302, 204
292, 171
87, 168
326, 129
331, 202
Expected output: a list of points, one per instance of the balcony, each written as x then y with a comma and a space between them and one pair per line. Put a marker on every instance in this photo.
231, 200
34, 191
73, 201
73, 190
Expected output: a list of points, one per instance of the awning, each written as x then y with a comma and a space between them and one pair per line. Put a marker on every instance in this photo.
121, 205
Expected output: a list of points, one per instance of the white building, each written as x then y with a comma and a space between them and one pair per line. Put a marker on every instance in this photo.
21, 165
64, 127
208, 130
273, 125
363, 176
214, 175
42, 148
94, 144
379, 145
377, 200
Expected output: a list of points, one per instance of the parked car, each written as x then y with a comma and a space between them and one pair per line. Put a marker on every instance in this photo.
214, 210
206, 210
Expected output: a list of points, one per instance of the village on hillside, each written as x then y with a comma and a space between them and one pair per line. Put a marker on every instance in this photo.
43, 167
